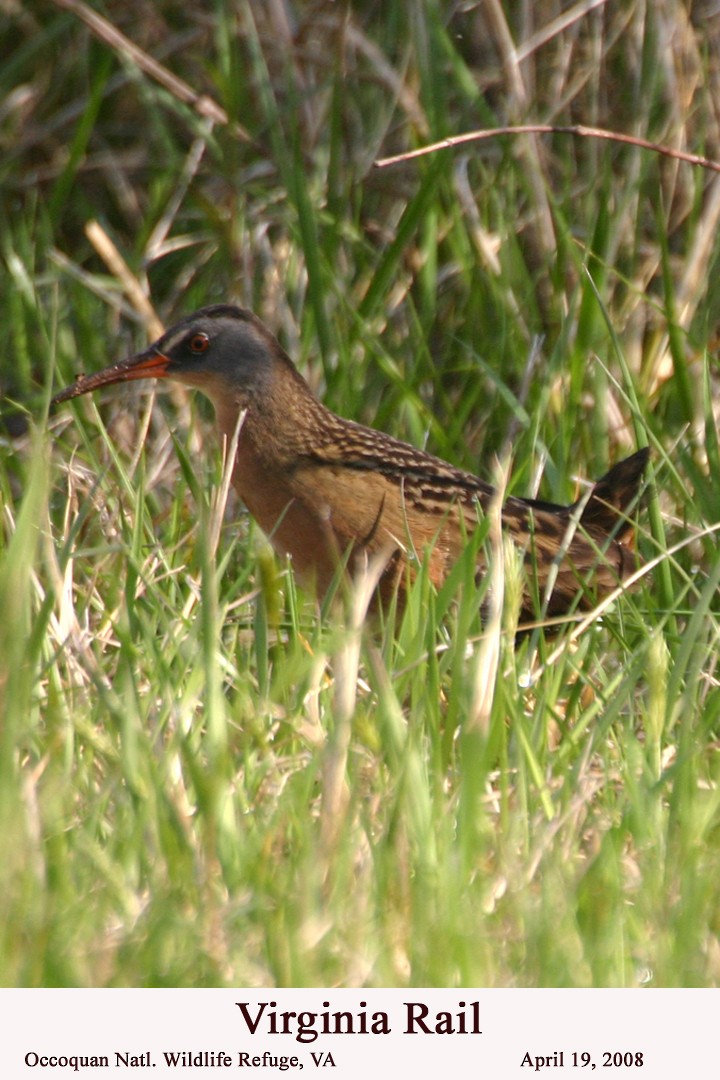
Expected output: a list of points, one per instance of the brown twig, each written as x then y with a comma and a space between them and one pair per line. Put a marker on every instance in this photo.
204, 105
550, 129
120, 270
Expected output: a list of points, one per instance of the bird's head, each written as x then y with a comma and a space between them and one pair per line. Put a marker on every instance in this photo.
221, 350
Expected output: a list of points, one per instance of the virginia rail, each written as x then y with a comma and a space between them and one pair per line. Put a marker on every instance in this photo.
323, 488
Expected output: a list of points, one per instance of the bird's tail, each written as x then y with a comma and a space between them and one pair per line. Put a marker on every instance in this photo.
612, 497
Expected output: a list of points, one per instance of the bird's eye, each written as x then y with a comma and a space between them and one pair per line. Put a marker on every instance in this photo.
199, 343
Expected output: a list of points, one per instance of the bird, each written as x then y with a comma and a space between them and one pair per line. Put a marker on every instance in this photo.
331, 493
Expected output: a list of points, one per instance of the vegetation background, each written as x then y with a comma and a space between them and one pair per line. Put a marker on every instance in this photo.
204, 781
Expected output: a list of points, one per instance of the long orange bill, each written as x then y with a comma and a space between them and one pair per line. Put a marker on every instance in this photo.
147, 365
